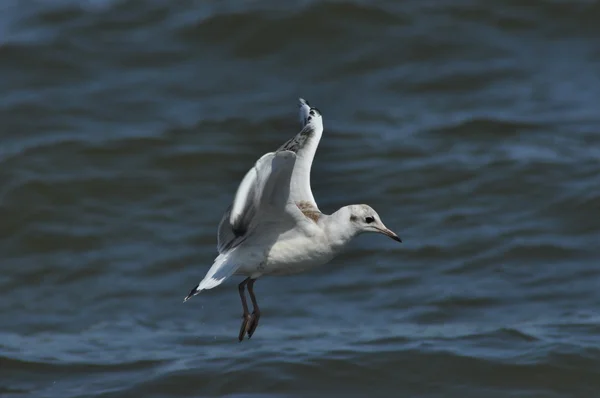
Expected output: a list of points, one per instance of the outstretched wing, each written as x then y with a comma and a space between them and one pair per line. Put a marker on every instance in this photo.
304, 145
261, 199
225, 235
264, 189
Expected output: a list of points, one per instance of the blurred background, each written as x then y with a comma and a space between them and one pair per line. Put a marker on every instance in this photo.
472, 127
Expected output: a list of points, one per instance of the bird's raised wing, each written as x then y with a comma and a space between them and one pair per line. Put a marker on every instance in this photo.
260, 209
225, 235
262, 194
304, 145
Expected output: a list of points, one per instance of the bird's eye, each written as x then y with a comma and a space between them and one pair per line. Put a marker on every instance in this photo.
369, 220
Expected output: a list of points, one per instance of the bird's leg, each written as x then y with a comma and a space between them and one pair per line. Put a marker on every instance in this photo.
246, 315
255, 312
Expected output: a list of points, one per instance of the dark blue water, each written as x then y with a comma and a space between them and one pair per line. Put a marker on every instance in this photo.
472, 127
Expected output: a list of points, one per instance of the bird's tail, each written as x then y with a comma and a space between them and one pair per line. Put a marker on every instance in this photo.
221, 269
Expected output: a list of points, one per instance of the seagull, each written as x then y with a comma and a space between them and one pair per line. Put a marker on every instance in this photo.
274, 226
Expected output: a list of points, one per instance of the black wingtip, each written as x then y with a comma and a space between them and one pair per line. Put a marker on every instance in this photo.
303, 102
192, 293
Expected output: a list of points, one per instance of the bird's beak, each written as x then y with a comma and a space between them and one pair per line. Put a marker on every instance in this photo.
390, 233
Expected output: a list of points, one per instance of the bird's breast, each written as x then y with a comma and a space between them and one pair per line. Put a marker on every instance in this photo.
294, 255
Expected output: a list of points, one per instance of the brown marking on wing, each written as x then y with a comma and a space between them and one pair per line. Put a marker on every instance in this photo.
309, 210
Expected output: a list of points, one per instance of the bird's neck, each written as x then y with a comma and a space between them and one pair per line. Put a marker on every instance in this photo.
339, 230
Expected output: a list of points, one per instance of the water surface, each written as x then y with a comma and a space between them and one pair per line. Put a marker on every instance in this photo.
471, 127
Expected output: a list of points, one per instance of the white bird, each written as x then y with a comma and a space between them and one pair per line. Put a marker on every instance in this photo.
274, 226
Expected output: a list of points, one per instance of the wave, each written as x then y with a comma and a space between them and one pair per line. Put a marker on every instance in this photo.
21, 365
377, 373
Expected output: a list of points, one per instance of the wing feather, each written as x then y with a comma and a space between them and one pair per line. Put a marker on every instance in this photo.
234, 222
265, 188
304, 145
225, 235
